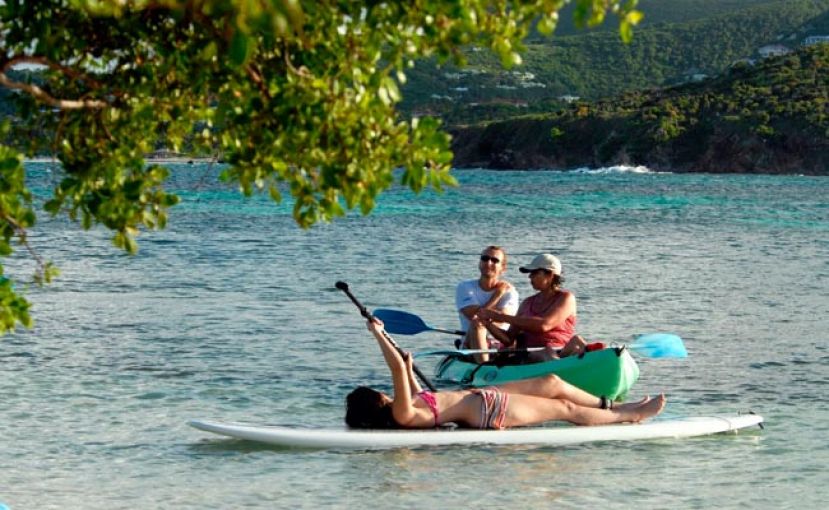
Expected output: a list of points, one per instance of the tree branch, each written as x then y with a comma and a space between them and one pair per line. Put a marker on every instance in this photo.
302, 71
24, 240
42, 95
256, 76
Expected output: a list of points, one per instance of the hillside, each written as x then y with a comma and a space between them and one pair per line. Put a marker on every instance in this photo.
769, 118
660, 12
596, 64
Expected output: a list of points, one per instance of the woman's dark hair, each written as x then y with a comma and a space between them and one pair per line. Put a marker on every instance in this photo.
557, 281
365, 409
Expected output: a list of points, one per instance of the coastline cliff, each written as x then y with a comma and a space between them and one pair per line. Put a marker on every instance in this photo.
772, 117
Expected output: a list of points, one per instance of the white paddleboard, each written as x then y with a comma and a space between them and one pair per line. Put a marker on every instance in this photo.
553, 436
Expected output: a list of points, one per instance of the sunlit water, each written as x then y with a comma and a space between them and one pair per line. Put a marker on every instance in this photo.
230, 314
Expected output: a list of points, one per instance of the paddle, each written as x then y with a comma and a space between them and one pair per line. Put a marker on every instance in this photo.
405, 323
659, 345
364, 312
465, 352
652, 345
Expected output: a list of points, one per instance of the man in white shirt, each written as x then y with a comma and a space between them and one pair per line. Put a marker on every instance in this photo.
488, 291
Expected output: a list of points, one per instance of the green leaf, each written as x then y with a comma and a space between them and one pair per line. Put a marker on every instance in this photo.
392, 90
274, 193
240, 48
8, 164
547, 25
626, 32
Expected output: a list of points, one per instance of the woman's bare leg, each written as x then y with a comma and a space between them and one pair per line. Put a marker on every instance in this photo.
552, 387
529, 410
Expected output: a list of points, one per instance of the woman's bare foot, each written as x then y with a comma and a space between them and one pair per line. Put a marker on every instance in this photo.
650, 408
630, 406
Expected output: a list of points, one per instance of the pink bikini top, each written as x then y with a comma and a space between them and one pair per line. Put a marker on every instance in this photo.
431, 402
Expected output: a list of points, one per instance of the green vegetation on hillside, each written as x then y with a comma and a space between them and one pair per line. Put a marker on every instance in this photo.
771, 117
663, 11
595, 64
778, 92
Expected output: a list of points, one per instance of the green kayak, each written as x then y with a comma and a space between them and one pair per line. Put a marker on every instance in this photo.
610, 372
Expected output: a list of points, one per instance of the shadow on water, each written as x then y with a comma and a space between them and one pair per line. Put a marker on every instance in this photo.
229, 446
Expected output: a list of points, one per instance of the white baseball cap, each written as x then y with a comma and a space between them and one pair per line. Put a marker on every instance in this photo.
546, 261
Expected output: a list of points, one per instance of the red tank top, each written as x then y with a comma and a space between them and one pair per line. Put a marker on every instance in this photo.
556, 337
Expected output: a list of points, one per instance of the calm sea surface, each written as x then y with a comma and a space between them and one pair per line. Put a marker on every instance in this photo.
230, 314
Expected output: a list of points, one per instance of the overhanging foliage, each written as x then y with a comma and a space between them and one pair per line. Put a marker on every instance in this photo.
293, 95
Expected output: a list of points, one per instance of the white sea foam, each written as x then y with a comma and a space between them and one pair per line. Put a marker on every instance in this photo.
40, 160
616, 169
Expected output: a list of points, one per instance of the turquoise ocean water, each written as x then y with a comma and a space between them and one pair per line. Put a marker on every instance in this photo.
230, 314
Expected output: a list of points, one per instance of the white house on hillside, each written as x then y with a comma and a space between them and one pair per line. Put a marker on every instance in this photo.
815, 39
773, 50
569, 98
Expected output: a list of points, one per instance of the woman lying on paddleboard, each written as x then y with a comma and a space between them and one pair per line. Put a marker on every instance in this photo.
509, 405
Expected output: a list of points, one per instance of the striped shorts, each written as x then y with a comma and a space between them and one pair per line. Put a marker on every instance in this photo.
494, 404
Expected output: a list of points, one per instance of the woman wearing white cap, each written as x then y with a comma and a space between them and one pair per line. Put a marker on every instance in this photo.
545, 319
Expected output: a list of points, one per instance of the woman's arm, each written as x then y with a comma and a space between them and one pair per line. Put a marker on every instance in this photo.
564, 307
413, 384
507, 336
402, 407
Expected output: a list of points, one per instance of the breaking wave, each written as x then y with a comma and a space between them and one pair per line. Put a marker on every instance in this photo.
617, 169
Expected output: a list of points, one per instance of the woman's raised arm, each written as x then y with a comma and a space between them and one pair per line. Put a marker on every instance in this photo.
402, 406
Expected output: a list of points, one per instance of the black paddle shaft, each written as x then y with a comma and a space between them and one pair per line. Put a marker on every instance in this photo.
365, 313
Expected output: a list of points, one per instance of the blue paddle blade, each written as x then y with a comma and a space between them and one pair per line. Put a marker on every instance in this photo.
659, 345
404, 323
401, 323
